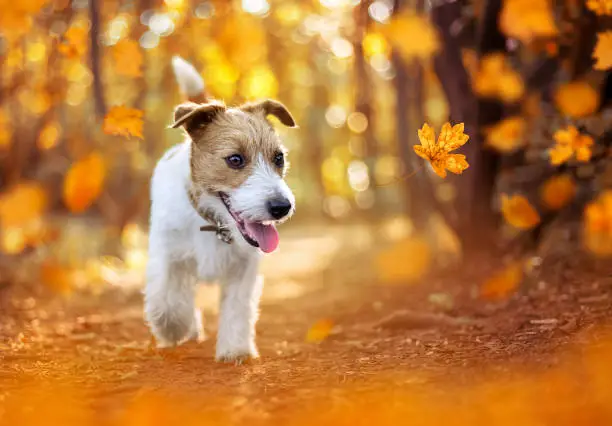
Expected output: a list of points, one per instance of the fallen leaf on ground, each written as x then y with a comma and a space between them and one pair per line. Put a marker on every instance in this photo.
503, 283
56, 277
84, 182
319, 331
558, 191
518, 212
603, 51
437, 154
570, 142
123, 121
405, 261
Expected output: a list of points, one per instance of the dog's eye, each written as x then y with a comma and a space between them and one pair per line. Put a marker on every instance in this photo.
279, 159
235, 161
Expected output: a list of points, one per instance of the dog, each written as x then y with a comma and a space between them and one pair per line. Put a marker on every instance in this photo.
227, 176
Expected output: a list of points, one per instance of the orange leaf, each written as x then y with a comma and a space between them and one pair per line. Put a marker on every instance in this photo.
600, 7
56, 277
22, 204
123, 121
422, 35
84, 182
558, 191
569, 142
450, 138
577, 99
405, 261
49, 136
507, 135
319, 331
75, 42
503, 283
128, 58
603, 51
16, 16
598, 224
527, 19
496, 79
518, 212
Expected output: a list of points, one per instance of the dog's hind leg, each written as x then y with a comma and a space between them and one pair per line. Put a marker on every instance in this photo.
170, 302
241, 292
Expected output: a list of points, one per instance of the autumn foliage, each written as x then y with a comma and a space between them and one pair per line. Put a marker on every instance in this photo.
445, 128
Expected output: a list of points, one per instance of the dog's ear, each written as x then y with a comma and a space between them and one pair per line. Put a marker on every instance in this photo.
196, 116
271, 107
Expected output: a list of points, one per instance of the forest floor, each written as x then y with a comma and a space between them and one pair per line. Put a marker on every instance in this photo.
427, 353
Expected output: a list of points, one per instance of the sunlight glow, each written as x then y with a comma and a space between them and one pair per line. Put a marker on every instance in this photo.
256, 7
380, 11
335, 116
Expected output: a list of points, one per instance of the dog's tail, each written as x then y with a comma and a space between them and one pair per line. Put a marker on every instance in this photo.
191, 83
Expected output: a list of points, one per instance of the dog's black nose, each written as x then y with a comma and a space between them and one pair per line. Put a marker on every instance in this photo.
279, 207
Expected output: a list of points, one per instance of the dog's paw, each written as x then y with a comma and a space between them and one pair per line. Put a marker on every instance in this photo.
237, 357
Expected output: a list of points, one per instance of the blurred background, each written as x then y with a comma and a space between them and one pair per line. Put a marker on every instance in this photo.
505, 263
87, 93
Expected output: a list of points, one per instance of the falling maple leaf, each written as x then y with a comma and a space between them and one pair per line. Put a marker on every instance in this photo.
496, 79
600, 7
568, 143
527, 19
507, 135
422, 36
503, 283
558, 191
123, 121
598, 224
577, 99
518, 212
84, 182
319, 331
127, 57
49, 136
450, 138
603, 51
392, 265
21, 204
16, 16
75, 41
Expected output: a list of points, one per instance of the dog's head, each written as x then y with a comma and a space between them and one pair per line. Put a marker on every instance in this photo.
237, 157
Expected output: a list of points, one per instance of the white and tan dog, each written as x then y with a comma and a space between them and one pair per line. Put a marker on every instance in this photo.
227, 174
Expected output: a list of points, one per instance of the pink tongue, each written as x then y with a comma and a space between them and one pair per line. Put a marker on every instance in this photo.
265, 235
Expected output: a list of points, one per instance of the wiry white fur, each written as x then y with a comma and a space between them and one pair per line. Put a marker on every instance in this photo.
179, 253
264, 184
189, 80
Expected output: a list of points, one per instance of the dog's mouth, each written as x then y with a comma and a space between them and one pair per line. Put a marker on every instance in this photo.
257, 234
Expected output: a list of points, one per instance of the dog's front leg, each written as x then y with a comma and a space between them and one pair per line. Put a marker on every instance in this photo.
238, 314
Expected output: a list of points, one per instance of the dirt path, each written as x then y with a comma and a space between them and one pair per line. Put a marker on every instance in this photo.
393, 351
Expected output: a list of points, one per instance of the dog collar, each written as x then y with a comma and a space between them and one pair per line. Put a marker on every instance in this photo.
221, 229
